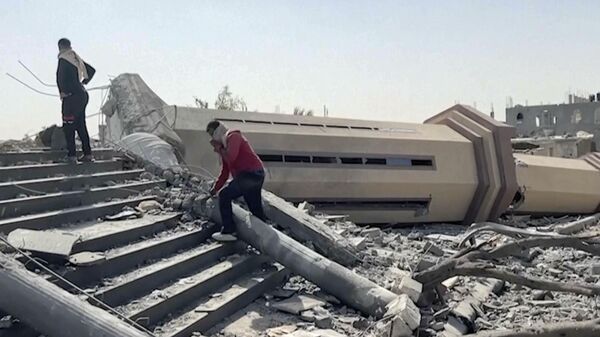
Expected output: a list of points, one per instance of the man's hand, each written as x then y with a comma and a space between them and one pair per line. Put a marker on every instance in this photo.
217, 146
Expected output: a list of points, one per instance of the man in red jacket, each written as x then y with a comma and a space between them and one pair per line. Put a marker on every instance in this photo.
239, 160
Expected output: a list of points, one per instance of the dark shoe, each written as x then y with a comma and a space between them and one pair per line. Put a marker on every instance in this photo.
224, 237
71, 160
88, 158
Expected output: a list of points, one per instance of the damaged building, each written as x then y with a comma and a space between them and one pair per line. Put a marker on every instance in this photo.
579, 114
121, 247
457, 166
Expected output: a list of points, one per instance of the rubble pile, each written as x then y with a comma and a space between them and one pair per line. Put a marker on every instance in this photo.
391, 257
13, 145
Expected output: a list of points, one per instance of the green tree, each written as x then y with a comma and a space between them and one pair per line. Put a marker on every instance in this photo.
226, 101
299, 111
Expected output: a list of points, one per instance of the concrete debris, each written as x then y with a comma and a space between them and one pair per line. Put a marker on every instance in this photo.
358, 243
595, 269
149, 205
297, 304
306, 207
426, 262
432, 249
49, 243
372, 233
409, 287
315, 333
125, 214
404, 308
85, 259
281, 330
455, 327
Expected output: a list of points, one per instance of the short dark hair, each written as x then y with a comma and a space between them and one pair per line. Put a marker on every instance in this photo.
64, 43
212, 125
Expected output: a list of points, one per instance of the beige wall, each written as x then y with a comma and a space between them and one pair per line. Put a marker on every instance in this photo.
557, 185
450, 185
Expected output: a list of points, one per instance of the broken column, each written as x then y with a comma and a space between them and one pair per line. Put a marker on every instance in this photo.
352, 289
52, 311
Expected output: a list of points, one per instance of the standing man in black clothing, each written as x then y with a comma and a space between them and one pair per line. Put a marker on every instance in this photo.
71, 75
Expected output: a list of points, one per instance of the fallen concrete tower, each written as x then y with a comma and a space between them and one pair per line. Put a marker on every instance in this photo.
456, 167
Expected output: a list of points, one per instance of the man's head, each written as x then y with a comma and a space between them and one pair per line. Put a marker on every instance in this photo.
64, 44
212, 126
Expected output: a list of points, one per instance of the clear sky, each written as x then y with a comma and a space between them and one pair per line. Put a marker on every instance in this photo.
386, 60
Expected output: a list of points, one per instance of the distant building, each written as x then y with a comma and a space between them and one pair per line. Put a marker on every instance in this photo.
557, 119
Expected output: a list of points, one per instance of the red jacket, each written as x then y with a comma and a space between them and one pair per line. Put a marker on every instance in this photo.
237, 157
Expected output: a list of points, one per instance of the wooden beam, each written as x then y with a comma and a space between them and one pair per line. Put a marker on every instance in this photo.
306, 228
51, 310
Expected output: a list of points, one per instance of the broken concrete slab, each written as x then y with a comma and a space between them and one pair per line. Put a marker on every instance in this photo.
323, 321
306, 207
149, 205
85, 259
372, 233
404, 308
124, 215
450, 283
315, 333
358, 243
409, 287
297, 304
281, 330
455, 327
50, 243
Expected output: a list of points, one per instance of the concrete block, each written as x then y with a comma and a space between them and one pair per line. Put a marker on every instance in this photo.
306, 207
372, 232
465, 310
409, 287
298, 304
403, 308
358, 243
456, 327
400, 328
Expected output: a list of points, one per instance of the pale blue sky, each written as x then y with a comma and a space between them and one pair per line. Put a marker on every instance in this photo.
387, 60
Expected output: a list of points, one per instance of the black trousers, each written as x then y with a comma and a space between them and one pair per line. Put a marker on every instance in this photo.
247, 185
73, 112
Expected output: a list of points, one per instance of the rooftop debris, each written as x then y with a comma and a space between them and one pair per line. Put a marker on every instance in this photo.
507, 278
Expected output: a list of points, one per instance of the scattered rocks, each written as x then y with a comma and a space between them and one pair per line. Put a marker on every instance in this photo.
358, 243
306, 207
372, 233
297, 304
540, 295
149, 205
147, 176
